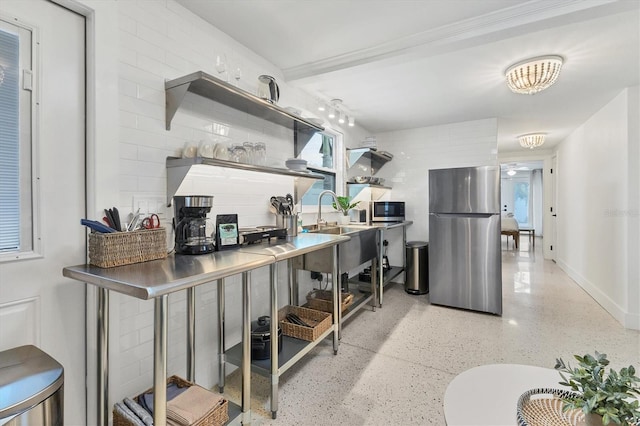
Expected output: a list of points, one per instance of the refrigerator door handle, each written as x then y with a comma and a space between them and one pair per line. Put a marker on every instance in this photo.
476, 215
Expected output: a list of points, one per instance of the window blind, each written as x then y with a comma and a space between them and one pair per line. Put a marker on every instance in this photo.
9, 143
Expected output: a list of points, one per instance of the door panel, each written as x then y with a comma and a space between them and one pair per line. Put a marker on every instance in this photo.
39, 305
465, 262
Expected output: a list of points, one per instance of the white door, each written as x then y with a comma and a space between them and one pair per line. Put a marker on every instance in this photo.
37, 305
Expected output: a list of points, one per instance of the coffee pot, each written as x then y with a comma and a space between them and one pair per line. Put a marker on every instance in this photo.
195, 232
268, 89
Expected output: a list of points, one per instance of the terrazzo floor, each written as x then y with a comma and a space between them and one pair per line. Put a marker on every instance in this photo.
394, 364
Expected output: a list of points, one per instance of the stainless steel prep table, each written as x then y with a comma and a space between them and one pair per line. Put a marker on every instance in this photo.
395, 270
156, 280
286, 250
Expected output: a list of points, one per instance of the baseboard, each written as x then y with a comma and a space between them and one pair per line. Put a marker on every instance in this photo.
627, 319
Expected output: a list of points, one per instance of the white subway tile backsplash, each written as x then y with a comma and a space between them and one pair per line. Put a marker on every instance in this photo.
141, 107
128, 56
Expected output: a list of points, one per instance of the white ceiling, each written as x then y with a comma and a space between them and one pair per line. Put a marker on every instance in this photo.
401, 64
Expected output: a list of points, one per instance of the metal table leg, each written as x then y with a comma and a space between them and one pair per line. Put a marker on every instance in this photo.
246, 348
221, 346
380, 267
191, 334
103, 357
160, 360
374, 282
293, 283
273, 270
337, 312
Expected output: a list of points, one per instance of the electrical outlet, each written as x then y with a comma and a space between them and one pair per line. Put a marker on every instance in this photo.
149, 205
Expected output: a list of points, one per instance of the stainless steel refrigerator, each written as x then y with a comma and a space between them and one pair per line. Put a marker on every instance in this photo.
465, 263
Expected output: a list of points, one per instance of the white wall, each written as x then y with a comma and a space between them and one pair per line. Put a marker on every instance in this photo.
134, 47
598, 206
471, 143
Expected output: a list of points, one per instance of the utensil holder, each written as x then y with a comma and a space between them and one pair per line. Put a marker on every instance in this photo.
290, 222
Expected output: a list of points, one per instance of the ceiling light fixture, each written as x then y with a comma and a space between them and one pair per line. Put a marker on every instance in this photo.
341, 118
321, 106
532, 140
533, 75
352, 121
511, 172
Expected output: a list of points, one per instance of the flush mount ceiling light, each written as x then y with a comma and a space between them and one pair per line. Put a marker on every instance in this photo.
511, 172
532, 140
533, 75
352, 121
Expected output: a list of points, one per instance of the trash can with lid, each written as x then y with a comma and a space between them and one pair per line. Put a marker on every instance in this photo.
417, 272
31, 388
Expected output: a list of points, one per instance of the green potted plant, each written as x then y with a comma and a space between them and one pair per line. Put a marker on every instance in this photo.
344, 205
604, 398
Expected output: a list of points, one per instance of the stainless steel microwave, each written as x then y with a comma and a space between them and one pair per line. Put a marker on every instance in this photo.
387, 211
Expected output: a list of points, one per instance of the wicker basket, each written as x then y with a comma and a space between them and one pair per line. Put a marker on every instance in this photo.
319, 322
322, 300
545, 408
107, 250
216, 417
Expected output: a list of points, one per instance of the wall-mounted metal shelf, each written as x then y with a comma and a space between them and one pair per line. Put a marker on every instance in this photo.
178, 168
210, 87
376, 158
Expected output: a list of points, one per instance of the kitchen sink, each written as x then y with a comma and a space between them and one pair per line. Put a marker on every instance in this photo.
359, 249
335, 230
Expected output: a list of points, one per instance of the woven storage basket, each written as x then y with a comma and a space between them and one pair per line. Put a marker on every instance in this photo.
319, 322
545, 408
107, 250
216, 417
322, 300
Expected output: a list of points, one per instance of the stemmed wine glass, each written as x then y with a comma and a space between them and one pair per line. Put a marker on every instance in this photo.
221, 66
237, 74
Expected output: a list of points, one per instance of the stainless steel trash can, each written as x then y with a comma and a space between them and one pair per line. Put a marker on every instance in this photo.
31, 388
417, 273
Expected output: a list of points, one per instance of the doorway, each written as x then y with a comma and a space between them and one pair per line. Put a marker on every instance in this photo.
522, 196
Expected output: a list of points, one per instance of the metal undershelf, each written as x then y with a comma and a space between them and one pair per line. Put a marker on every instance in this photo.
292, 351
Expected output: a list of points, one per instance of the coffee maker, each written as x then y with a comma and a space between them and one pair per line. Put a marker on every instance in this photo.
195, 232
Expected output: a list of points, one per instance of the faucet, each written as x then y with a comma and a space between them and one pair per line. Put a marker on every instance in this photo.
319, 221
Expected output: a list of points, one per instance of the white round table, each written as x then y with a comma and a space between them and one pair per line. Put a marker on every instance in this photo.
488, 395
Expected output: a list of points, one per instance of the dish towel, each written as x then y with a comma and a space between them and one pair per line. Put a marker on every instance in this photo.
191, 405
127, 414
139, 411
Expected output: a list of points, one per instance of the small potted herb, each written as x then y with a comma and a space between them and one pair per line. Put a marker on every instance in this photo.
344, 205
603, 398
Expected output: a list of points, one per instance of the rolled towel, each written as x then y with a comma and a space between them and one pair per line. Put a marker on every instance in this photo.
139, 411
192, 405
127, 414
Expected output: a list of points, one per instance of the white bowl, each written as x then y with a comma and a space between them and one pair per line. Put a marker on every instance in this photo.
296, 164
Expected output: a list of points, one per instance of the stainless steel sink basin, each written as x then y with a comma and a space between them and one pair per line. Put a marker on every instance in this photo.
337, 230
351, 254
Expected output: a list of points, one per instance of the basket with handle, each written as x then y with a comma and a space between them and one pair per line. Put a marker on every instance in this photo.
322, 300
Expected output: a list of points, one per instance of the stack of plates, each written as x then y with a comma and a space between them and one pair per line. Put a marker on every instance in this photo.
296, 164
